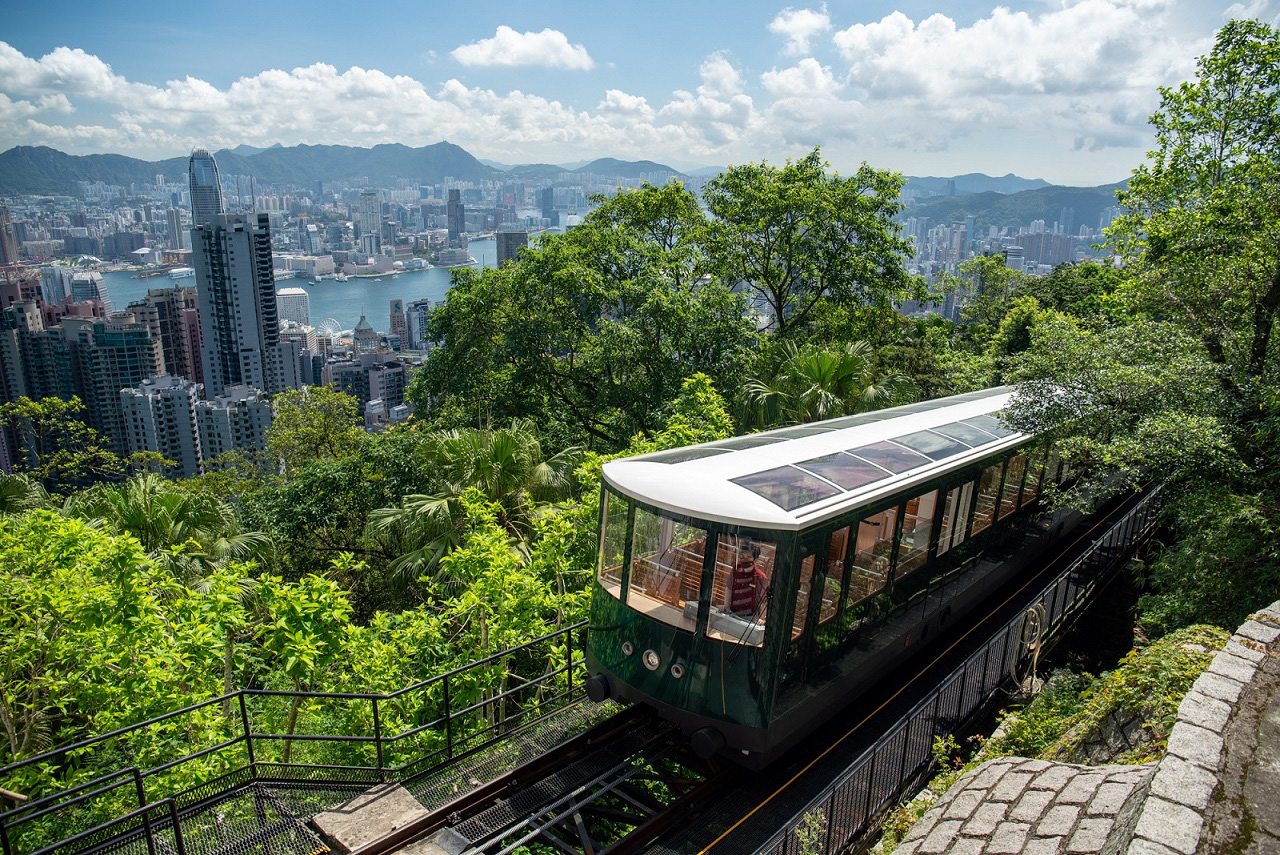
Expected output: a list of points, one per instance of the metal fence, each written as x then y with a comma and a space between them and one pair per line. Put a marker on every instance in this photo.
848, 810
355, 740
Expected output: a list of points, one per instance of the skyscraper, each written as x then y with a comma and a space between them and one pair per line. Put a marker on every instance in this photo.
399, 326
8, 240
294, 305
457, 214
159, 416
370, 222
239, 319
177, 236
206, 188
509, 245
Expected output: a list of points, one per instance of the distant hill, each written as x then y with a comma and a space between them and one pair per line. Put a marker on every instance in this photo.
624, 168
248, 150
975, 182
1018, 209
39, 169
537, 171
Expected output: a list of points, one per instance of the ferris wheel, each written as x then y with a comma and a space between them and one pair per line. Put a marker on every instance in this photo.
329, 327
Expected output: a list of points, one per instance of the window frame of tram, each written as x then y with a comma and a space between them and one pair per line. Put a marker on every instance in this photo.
607, 497
774, 553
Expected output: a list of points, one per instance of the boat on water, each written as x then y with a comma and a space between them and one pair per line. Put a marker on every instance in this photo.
340, 277
182, 273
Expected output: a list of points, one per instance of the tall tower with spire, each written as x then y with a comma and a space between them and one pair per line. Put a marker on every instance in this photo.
206, 188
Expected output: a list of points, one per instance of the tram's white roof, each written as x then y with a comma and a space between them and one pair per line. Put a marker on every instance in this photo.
791, 478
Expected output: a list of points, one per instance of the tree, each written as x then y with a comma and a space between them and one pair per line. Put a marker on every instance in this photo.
58, 449
1202, 221
811, 383
312, 424
507, 467
19, 493
985, 286
795, 237
591, 332
186, 533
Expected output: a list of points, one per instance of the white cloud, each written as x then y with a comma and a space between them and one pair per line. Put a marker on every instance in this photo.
799, 26
806, 79
719, 77
508, 47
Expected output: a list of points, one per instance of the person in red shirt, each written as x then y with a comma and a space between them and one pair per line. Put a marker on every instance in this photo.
748, 584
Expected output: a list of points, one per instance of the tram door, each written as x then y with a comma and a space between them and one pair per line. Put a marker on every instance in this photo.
810, 587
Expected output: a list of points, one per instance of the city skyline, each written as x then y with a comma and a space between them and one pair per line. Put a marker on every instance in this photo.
1053, 90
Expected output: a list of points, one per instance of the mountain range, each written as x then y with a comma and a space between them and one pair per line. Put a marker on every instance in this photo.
994, 200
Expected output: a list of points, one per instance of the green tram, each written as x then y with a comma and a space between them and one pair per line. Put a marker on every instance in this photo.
748, 588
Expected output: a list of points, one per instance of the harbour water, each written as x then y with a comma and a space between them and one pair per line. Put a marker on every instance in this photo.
342, 301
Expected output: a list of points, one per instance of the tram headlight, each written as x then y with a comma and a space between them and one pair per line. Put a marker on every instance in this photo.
677, 670
651, 660
628, 648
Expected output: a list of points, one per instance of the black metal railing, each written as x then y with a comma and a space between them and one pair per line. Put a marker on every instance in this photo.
344, 739
847, 811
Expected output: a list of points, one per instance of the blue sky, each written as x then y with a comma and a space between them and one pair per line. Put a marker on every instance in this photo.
1058, 89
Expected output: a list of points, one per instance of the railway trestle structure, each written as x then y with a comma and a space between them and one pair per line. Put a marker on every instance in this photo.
479, 730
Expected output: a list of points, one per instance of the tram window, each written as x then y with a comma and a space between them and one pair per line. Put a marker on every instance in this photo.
1013, 484
935, 446
801, 615
917, 525
844, 470
948, 520
871, 556
740, 589
837, 548
984, 513
666, 569
613, 542
1035, 474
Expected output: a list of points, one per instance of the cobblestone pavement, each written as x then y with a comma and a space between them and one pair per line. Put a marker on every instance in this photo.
1216, 789
1014, 805
1243, 813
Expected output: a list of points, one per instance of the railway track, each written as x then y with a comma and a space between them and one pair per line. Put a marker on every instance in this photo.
614, 788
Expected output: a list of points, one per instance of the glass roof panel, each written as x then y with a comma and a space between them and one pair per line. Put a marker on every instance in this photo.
967, 434
932, 445
803, 430
754, 441
844, 469
680, 455
895, 458
990, 424
787, 487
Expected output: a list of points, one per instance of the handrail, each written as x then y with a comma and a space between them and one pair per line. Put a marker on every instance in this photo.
457, 741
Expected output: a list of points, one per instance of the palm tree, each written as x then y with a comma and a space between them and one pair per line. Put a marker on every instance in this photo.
508, 466
813, 383
186, 533
20, 493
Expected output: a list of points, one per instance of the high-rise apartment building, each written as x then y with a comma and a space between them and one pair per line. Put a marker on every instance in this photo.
509, 245
173, 317
237, 419
160, 416
370, 222
107, 356
416, 315
239, 319
206, 188
294, 305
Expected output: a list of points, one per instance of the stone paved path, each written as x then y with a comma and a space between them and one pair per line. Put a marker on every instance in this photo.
1014, 805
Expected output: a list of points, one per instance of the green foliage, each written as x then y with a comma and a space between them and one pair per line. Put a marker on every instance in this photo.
799, 237
591, 332
811, 384
58, 449
315, 423
1202, 222
1225, 563
20, 492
